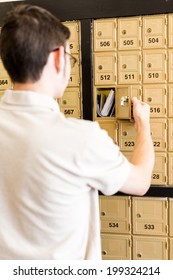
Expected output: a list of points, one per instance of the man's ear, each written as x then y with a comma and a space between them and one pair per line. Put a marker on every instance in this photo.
59, 59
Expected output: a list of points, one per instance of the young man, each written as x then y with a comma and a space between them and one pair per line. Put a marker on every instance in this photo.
51, 168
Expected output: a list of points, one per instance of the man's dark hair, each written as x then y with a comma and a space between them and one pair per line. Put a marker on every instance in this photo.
28, 34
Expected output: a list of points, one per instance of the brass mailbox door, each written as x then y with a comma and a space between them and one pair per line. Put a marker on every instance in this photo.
170, 135
115, 214
70, 103
129, 33
155, 96
170, 169
150, 216
170, 30
75, 78
154, 66
170, 248
116, 247
158, 132
5, 81
154, 31
123, 103
105, 69
71, 98
105, 35
159, 176
129, 67
74, 36
150, 248
170, 65
110, 127
126, 136
170, 100
171, 217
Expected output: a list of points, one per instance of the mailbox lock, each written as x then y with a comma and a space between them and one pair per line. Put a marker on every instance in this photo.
149, 65
124, 66
125, 133
149, 30
104, 253
139, 255
64, 102
149, 99
99, 33
103, 213
138, 215
124, 99
100, 67
124, 32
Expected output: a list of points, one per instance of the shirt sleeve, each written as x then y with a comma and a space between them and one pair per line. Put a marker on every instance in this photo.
104, 166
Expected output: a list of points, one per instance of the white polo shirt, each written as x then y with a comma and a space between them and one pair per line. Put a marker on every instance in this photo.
51, 169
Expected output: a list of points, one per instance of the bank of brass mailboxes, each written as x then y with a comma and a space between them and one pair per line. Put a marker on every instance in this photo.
71, 102
134, 57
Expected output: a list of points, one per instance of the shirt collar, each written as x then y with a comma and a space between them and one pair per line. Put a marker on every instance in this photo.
29, 98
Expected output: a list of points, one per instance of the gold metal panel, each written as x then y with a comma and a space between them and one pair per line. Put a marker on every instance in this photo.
110, 127
170, 169
3, 72
158, 133
105, 35
127, 135
170, 30
170, 65
71, 98
136, 90
171, 217
159, 176
115, 214
170, 248
150, 216
129, 67
74, 41
129, 33
170, 100
154, 31
155, 96
150, 248
123, 103
105, 69
75, 78
116, 247
170, 134
154, 66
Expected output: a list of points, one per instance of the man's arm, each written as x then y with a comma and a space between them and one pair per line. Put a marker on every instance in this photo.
142, 160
